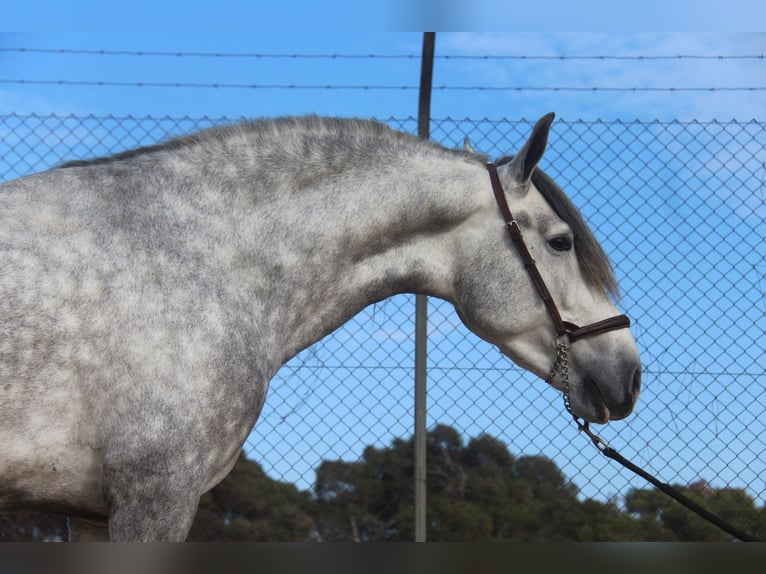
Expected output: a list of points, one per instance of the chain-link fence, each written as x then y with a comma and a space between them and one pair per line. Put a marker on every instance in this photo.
680, 209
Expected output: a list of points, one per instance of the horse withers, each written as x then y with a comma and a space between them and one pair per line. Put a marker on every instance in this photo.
146, 299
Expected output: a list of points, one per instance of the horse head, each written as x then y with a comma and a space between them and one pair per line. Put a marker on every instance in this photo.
529, 305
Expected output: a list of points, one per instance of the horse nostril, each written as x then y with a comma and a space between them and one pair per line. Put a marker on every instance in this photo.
622, 409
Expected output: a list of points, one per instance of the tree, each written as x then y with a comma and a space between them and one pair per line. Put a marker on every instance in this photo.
476, 492
249, 506
665, 518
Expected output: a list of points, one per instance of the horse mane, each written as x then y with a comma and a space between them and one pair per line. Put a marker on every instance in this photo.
593, 261
361, 135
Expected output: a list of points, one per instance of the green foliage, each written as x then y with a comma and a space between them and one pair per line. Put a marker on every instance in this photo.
249, 506
667, 520
481, 492
475, 492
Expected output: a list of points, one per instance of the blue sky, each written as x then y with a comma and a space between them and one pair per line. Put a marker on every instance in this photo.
253, 17
247, 30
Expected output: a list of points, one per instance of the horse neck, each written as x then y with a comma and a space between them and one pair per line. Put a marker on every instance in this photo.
345, 243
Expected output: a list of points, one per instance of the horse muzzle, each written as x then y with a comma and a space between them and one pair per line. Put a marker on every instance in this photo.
600, 399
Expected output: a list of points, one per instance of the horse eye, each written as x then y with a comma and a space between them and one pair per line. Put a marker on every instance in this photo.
562, 243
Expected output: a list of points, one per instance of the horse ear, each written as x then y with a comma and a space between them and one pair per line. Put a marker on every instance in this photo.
520, 168
467, 145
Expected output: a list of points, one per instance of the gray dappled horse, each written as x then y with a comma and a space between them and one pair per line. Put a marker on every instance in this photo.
146, 299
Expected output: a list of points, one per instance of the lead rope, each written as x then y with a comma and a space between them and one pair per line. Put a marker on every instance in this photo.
561, 367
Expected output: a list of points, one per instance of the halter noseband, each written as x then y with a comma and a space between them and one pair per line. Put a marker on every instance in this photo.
564, 329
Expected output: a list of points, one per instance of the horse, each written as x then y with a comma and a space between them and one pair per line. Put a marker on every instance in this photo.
147, 298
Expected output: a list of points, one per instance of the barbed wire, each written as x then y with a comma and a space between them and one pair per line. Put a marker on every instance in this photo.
363, 87
332, 56
225, 85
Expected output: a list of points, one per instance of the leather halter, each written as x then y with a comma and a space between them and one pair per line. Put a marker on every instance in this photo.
571, 330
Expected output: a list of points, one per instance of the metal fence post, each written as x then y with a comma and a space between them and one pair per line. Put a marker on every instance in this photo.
421, 311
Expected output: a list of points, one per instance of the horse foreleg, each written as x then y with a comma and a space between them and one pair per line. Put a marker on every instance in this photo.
155, 507
163, 518
165, 521
87, 530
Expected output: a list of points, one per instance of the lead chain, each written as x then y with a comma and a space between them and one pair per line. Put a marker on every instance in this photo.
561, 367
